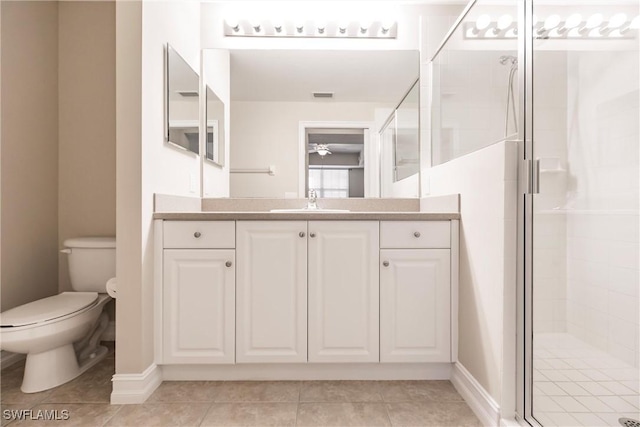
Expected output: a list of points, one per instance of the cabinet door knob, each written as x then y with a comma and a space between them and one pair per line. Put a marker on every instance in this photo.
228, 263
385, 263
312, 234
301, 234
197, 234
417, 234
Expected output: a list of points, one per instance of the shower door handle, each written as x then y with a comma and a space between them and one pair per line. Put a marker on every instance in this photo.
532, 176
535, 176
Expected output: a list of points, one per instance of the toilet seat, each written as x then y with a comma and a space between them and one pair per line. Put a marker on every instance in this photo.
48, 309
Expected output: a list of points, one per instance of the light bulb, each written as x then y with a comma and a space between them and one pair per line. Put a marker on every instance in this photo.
385, 26
573, 21
595, 33
633, 25
594, 20
342, 26
504, 22
321, 26
278, 25
617, 20
299, 26
364, 26
483, 22
233, 24
551, 22
256, 24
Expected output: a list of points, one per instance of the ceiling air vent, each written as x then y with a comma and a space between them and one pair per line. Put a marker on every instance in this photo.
323, 94
188, 93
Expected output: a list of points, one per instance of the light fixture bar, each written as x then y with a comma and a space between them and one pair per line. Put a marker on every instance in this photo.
595, 26
379, 29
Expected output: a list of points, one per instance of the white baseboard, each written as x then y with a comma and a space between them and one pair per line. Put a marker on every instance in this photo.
7, 359
480, 402
135, 388
304, 371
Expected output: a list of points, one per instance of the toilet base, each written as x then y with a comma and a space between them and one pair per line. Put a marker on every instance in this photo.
55, 367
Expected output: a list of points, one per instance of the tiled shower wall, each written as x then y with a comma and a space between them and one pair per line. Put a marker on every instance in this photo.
549, 240
602, 218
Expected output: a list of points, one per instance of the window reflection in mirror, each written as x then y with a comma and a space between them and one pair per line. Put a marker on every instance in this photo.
215, 128
182, 103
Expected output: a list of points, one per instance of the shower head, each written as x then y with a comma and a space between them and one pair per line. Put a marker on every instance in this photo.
508, 59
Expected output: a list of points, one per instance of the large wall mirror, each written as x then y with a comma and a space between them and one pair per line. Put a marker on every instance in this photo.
182, 103
214, 151
304, 119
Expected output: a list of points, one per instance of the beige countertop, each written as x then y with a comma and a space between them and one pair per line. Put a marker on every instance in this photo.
264, 215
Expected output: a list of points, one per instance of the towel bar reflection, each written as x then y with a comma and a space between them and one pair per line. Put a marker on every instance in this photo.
271, 170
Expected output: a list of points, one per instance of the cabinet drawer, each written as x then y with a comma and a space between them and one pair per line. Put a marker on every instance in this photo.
200, 234
415, 234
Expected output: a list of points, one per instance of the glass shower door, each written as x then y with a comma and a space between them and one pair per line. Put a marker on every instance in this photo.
585, 253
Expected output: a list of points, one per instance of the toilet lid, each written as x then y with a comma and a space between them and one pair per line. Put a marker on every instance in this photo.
46, 309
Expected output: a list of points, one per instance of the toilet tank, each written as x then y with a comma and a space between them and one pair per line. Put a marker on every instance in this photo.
92, 261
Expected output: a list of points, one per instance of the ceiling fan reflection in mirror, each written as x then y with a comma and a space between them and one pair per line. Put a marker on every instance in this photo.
321, 149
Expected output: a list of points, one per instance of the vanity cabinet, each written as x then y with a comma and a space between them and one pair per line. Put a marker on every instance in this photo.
198, 292
249, 292
343, 291
271, 294
415, 291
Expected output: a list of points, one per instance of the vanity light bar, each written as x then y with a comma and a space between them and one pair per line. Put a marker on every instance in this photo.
553, 26
383, 29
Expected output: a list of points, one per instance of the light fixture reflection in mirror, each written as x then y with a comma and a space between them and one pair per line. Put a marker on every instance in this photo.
182, 103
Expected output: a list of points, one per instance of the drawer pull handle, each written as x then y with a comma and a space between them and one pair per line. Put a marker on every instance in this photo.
385, 263
417, 234
301, 234
312, 234
228, 263
197, 234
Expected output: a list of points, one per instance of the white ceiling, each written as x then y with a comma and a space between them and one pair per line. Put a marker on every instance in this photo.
292, 75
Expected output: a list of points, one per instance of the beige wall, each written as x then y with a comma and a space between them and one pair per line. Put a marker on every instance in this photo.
487, 183
145, 163
29, 152
86, 111
267, 133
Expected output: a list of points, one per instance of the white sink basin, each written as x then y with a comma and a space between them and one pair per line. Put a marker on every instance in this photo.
307, 210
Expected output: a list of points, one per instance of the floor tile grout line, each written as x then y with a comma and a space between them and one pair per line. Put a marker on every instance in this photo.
114, 414
204, 417
386, 410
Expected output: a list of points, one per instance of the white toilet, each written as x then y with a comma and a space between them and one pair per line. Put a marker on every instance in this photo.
61, 334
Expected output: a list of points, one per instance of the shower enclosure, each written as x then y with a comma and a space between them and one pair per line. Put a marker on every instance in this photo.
583, 213
562, 80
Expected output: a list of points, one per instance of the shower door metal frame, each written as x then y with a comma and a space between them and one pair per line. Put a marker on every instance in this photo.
527, 188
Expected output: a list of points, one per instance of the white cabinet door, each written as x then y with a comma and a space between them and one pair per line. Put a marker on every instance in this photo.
415, 305
271, 302
198, 306
343, 291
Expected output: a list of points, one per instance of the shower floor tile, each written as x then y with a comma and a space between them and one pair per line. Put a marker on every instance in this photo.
576, 384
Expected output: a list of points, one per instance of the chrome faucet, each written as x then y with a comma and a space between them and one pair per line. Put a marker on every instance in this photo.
311, 203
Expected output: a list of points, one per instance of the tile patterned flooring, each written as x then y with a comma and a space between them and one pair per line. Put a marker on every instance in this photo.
576, 384
242, 403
